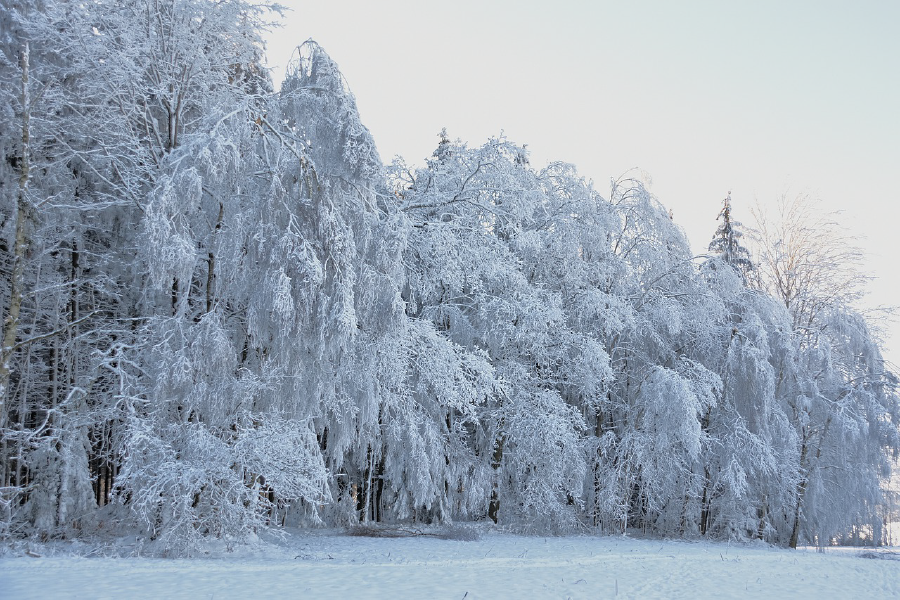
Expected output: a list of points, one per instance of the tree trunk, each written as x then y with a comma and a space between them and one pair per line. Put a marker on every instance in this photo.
494, 506
371, 468
211, 263
763, 513
705, 502
801, 490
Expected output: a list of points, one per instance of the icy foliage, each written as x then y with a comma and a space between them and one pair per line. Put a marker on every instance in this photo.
321, 112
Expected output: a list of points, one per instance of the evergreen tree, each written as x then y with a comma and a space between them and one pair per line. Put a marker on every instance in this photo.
726, 241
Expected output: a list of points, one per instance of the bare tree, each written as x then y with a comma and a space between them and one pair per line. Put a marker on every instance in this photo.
807, 260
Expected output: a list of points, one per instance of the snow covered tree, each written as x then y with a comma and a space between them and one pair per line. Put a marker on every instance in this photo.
481, 219
846, 419
726, 242
842, 393
60, 280
99, 71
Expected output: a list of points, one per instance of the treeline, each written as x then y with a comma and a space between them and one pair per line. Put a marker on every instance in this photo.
222, 313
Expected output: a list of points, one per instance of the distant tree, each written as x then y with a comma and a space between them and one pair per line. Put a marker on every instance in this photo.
726, 242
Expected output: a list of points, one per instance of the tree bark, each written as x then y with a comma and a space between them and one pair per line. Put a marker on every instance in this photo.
496, 460
801, 489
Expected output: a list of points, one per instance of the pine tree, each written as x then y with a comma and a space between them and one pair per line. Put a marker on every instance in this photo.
726, 241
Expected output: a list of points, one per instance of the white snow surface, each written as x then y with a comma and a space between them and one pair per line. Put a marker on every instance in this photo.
330, 564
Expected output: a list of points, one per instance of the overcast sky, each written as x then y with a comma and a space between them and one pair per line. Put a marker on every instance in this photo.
760, 98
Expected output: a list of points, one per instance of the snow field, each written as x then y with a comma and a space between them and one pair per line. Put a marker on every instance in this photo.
331, 565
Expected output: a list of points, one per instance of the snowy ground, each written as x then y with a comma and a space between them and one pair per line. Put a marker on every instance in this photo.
332, 565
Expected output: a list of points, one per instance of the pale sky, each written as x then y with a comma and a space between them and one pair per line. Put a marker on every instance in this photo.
761, 98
